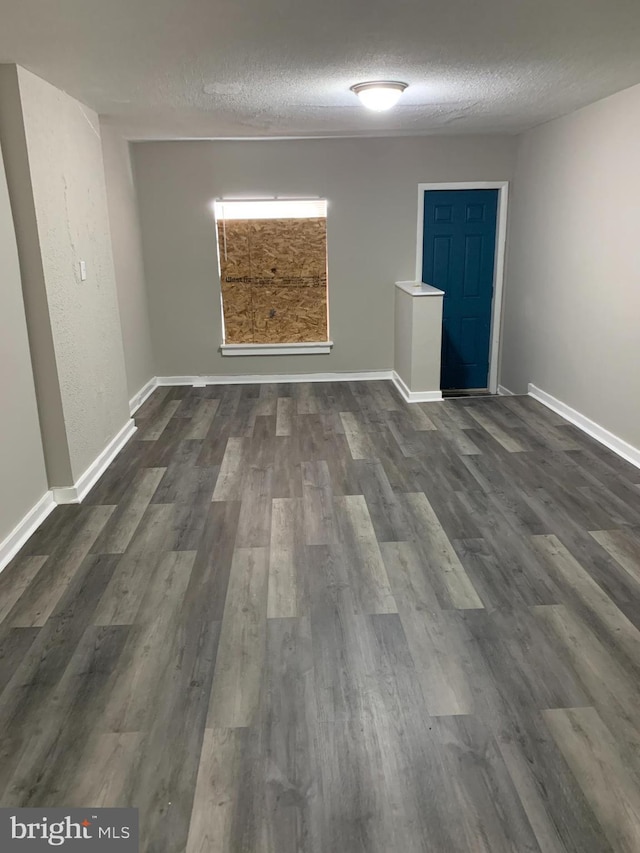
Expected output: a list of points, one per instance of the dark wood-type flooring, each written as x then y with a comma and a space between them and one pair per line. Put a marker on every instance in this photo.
312, 617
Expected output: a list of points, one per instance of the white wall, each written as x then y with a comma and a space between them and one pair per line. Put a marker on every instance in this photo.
372, 188
572, 297
55, 174
22, 469
127, 257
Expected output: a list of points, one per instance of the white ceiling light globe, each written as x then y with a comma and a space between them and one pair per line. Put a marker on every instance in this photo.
379, 95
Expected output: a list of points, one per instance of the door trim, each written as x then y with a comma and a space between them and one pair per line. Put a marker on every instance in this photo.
499, 266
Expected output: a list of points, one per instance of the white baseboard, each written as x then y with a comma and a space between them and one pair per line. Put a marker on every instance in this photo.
276, 378
613, 442
74, 494
146, 391
10, 546
25, 528
504, 392
415, 396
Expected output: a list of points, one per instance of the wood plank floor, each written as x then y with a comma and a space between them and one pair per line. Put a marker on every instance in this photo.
310, 617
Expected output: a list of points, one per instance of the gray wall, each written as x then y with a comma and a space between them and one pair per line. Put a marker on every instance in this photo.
372, 187
572, 298
22, 470
56, 177
127, 258
36, 300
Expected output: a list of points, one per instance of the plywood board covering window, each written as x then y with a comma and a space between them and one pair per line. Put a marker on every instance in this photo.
273, 270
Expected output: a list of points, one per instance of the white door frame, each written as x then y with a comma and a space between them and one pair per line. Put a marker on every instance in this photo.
499, 266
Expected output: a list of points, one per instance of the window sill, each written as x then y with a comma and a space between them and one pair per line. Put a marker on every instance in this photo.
312, 348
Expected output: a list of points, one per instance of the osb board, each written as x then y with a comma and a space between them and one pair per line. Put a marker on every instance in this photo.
289, 314
273, 251
233, 242
274, 275
274, 313
238, 315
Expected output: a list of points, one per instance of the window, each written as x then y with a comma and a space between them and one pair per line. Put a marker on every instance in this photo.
273, 273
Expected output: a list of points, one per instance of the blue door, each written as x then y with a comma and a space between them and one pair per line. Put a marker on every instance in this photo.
458, 256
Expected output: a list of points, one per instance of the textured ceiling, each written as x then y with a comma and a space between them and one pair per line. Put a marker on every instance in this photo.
239, 68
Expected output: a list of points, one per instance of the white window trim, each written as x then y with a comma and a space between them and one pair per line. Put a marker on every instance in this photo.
306, 348
499, 270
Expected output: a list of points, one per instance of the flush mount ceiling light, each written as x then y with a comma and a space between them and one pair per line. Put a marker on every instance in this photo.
379, 95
